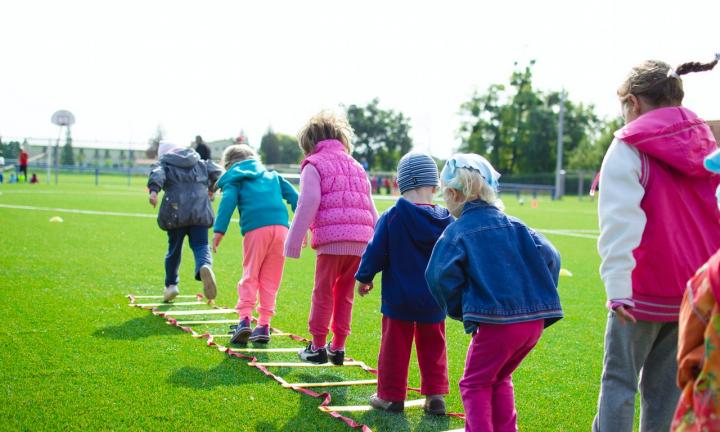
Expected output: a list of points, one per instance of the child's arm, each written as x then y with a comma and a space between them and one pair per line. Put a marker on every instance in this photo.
227, 206
445, 276
289, 193
550, 255
155, 183
622, 220
214, 173
375, 257
307, 207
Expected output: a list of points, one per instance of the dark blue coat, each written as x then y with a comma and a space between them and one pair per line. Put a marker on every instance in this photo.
404, 239
490, 268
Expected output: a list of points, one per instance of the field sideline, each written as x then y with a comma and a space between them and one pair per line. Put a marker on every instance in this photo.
75, 356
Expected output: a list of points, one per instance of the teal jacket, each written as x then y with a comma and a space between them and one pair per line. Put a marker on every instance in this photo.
258, 195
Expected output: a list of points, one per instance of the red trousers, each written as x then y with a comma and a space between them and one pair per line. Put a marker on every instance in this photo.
394, 358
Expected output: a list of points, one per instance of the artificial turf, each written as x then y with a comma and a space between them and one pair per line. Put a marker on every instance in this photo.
75, 356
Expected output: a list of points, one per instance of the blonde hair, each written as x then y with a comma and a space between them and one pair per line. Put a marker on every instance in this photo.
472, 186
325, 125
657, 83
238, 153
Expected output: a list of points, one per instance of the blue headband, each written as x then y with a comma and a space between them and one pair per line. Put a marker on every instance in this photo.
470, 161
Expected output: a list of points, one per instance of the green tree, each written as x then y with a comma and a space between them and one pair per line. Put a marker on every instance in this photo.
10, 150
381, 136
588, 155
277, 148
66, 156
515, 126
81, 157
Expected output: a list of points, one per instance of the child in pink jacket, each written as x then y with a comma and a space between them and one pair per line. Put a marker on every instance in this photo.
336, 205
658, 224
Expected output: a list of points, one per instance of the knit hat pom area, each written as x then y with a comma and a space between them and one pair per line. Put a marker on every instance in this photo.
417, 170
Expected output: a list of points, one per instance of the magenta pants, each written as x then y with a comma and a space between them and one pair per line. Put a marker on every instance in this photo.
263, 262
486, 387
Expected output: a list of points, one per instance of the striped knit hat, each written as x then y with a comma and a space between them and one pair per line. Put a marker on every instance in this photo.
416, 170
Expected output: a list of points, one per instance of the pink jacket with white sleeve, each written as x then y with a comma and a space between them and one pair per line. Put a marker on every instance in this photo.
658, 215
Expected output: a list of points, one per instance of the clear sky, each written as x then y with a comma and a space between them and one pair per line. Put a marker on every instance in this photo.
215, 67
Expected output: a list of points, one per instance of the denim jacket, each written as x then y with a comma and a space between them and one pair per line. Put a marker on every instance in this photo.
490, 268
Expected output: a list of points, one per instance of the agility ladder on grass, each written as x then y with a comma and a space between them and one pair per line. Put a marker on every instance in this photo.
170, 318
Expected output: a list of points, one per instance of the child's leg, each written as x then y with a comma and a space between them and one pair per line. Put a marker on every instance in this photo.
271, 274
343, 297
486, 389
199, 245
658, 389
321, 309
432, 358
172, 259
394, 358
626, 348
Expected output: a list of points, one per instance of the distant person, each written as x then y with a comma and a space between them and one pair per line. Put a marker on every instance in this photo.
34, 179
185, 211
658, 225
497, 276
2, 168
13, 178
23, 163
388, 186
336, 205
258, 196
400, 249
202, 149
364, 164
698, 339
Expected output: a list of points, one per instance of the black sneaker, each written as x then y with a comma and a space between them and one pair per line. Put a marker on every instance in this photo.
242, 332
261, 334
389, 406
336, 357
435, 405
313, 356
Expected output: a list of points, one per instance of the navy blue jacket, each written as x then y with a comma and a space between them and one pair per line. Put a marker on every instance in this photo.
404, 238
490, 268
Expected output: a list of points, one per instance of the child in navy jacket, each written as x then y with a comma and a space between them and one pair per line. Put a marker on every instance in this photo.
404, 238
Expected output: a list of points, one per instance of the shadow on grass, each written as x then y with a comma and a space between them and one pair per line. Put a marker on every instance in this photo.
229, 372
137, 328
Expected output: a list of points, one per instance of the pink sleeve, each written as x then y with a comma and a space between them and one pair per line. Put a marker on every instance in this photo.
308, 204
372, 208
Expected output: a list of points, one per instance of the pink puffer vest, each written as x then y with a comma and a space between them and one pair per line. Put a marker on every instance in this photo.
682, 229
345, 212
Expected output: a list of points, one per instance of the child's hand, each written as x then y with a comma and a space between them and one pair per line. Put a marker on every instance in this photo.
153, 198
217, 238
624, 315
211, 195
305, 241
363, 288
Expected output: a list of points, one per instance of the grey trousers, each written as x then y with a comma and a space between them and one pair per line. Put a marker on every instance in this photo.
647, 350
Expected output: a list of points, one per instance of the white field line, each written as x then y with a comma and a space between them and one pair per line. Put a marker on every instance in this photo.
587, 234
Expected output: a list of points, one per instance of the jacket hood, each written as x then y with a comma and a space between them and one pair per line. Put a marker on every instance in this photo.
424, 223
249, 168
184, 158
674, 135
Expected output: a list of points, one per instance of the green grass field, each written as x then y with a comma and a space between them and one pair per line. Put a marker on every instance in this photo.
75, 356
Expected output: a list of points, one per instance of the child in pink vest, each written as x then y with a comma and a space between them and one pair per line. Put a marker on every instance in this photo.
658, 224
336, 205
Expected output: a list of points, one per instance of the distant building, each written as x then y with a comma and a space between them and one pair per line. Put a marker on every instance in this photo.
715, 126
90, 153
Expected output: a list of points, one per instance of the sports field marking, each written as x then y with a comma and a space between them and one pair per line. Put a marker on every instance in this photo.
331, 384
355, 408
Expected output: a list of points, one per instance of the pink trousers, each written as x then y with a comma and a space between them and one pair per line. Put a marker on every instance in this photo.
332, 298
263, 261
486, 386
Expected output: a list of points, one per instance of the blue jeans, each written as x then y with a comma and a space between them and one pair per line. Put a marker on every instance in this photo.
198, 243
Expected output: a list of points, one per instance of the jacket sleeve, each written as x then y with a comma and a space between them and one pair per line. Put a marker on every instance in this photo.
308, 204
446, 277
289, 193
622, 220
214, 173
156, 180
227, 206
550, 255
375, 256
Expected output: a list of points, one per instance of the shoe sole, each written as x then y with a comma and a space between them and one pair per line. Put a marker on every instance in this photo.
311, 361
171, 297
436, 413
394, 408
242, 337
209, 285
260, 339
336, 362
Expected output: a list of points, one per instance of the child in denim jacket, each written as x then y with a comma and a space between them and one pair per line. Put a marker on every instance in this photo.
499, 278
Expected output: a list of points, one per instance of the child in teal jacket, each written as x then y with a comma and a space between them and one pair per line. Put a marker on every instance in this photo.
258, 195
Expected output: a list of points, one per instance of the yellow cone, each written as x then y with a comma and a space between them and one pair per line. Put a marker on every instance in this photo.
56, 219
565, 272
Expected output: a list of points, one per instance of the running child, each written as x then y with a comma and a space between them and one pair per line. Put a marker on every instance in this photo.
404, 239
499, 278
258, 196
336, 205
658, 224
185, 210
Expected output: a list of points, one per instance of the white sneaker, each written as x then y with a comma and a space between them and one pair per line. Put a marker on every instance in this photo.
170, 293
208, 279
